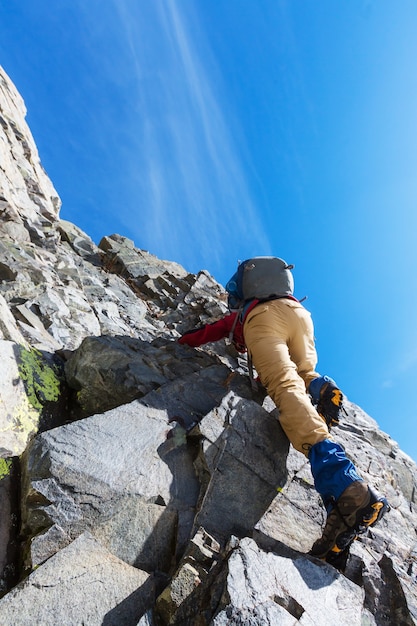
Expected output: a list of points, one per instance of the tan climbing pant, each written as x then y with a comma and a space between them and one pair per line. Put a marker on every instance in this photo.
279, 335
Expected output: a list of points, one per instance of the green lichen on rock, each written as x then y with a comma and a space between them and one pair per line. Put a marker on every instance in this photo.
25, 417
5, 468
41, 380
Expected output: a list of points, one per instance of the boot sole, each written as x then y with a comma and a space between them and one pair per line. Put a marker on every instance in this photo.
370, 518
374, 514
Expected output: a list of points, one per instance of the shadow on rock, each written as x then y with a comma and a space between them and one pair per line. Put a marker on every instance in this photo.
131, 609
242, 466
240, 455
108, 371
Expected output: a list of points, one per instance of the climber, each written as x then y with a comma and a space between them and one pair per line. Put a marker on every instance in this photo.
277, 331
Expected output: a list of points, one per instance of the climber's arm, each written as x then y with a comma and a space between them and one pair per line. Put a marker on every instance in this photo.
209, 332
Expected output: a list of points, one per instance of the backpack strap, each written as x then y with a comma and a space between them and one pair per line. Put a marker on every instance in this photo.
253, 383
235, 321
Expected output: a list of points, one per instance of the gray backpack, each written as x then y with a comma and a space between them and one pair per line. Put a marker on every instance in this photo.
262, 277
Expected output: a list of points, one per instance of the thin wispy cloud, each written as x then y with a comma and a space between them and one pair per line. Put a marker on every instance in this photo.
409, 359
188, 168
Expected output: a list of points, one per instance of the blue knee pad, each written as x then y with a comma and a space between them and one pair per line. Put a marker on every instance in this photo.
332, 471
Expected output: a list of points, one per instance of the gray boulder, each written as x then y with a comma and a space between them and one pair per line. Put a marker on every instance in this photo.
268, 589
82, 584
110, 371
116, 475
242, 466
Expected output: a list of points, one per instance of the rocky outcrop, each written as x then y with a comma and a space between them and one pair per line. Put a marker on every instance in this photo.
142, 482
29, 204
83, 583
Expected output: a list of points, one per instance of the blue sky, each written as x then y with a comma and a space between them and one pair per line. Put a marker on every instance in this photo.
212, 131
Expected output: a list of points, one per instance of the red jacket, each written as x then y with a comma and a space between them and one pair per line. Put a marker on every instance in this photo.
215, 331
220, 330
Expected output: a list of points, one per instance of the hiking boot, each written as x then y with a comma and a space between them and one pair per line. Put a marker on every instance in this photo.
358, 508
330, 404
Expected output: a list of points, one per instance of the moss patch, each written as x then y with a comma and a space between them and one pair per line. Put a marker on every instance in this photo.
5, 468
41, 380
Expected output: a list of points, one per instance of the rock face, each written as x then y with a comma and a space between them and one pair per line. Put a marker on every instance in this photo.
141, 481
